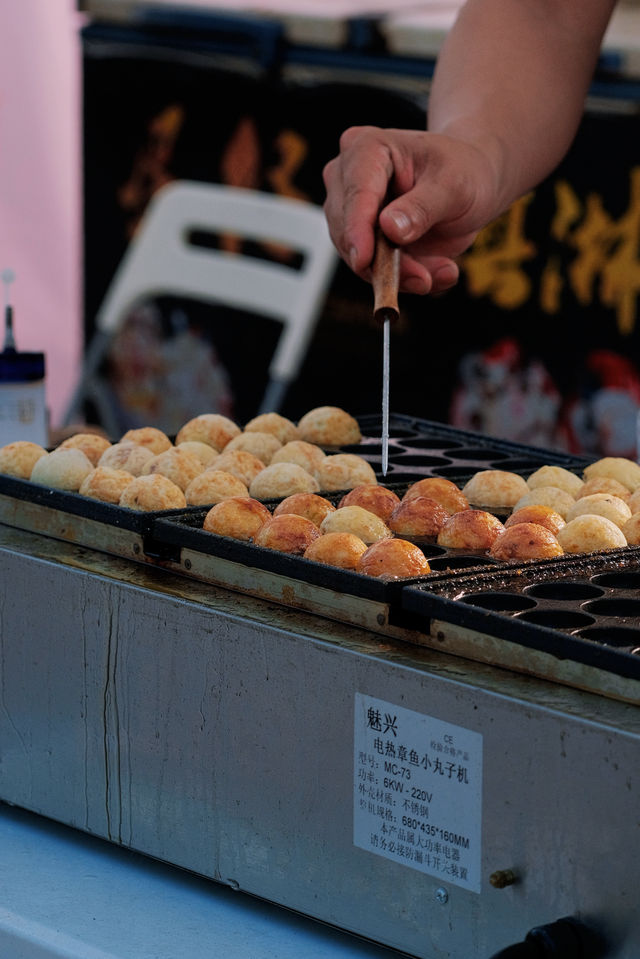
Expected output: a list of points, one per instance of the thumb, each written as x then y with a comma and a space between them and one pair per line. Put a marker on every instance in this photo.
405, 220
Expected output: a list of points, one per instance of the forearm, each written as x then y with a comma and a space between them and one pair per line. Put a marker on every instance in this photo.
511, 79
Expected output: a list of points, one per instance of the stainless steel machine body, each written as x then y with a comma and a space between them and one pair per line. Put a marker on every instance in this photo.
358, 780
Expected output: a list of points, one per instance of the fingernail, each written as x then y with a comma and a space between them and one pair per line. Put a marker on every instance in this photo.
402, 222
446, 276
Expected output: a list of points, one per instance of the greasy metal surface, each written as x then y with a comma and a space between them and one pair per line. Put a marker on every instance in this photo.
215, 731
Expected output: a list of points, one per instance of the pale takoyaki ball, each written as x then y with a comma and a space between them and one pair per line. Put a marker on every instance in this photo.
288, 533
126, 455
602, 504
306, 455
497, 489
539, 514
329, 426
420, 517
634, 502
377, 499
394, 559
631, 530
354, 519
212, 486
152, 492
62, 469
337, 549
205, 453
616, 467
344, 471
177, 464
282, 479
310, 505
214, 429
274, 423
556, 476
105, 484
605, 484
442, 490
239, 517
150, 436
470, 529
590, 532
239, 463
17, 459
558, 499
92, 445
262, 445
525, 541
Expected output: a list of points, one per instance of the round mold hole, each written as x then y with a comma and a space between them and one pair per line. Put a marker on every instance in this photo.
479, 453
428, 443
518, 464
431, 551
500, 602
459, 562
625, 608
618, 580
557, 618
363, 449
566, 591
617, 636
419, 459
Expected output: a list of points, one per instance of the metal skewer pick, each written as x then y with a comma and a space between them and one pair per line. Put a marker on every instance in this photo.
386, 280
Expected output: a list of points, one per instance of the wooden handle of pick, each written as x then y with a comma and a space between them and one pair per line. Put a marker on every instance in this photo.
386, 278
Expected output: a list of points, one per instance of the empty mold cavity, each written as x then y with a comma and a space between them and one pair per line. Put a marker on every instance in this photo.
481, 454
431, 443
566, 591
616, 606
618, 580
618, 636
557, 618
459, 562
502, 602
419, 459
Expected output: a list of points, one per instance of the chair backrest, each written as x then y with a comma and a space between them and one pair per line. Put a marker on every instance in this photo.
163, 259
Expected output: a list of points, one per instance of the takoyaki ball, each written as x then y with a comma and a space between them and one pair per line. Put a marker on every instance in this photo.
288, 533
394, 559
239, 463
626, 471
631, 530
602, 504
239, 517
344, 471
274, 423
442, 490
282, 479
150, 437
212, 486
306, 455
126, 455
309, 505
329, 426
420, 517
17, 459
525, 541
470, 529
152, 492
497, 489
177, 464
377, 499
539, 514
634, 502
605, 484
589, 533
354, 519
92, 445
62, 469
105, 484
558, 499
556, 476
214, 429
205, 453
262, 445
337, 549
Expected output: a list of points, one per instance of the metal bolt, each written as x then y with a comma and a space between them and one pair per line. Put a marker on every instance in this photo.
441, 895
187, 564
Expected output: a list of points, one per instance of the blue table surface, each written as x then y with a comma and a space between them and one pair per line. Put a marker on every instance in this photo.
67, 895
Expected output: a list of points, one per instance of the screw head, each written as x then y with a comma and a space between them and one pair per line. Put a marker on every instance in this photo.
441, 895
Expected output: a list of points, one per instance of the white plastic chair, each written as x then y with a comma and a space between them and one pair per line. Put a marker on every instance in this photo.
162, 260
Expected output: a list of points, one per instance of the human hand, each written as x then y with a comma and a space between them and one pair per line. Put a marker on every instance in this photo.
443, 192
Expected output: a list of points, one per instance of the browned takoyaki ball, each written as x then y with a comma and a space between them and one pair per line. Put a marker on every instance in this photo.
526, 541
91, 444
394, 559
470, 529
537, 513
177, 464
239, 463
105, 484
288, 533
150, 437
280, 426
418, 517
442, 490
375, 499
17, 459
211, 428
337, 549
152, 492
310, 505
344, 471
329, 426
212, 486
239, 517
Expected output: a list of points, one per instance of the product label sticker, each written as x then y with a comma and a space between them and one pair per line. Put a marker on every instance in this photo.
417, 791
